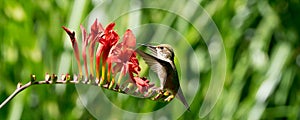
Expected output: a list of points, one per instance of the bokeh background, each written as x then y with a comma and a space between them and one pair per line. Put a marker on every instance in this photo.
260, 37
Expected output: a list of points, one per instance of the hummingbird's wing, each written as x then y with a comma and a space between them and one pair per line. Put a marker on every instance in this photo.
155, 65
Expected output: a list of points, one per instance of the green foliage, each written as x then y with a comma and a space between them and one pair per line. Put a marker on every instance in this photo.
261, 40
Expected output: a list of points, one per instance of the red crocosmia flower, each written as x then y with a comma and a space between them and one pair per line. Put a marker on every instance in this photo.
134, 67
96, 29
84, 44
129, 40
121, 58
93, 37
121, 55
126, 62
96, 32
75, 47
107, 41
142, 83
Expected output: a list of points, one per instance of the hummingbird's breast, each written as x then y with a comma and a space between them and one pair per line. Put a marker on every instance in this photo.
172, 82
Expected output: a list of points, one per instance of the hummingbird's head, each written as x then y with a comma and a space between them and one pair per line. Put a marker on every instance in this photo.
163, 51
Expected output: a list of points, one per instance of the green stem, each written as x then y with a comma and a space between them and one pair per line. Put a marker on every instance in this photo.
102, 75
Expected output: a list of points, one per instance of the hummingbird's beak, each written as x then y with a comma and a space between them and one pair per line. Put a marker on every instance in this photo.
146, 45
150, 47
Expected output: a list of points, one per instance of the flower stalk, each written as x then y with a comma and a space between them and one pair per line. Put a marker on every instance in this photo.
48, 80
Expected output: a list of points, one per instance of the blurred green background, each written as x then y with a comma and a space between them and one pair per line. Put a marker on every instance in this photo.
261, 40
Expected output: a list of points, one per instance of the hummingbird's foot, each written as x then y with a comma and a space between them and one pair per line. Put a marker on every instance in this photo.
159, 95
167, 93
169, 98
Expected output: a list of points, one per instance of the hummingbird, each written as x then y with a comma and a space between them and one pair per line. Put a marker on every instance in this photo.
161, 61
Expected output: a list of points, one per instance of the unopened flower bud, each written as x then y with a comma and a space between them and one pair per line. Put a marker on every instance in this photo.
47, 77
63, 77
54, 78
33, 78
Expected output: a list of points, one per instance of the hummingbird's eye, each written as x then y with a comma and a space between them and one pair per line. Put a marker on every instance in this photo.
161, 47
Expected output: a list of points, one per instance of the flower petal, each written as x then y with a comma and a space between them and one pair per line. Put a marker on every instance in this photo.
96, 28
84, 44
129, 40
142, 83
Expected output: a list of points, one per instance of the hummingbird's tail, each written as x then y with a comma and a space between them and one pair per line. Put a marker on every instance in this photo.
180, 96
